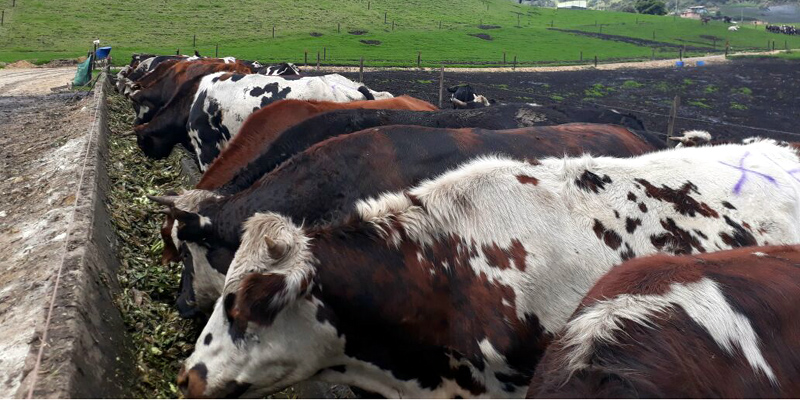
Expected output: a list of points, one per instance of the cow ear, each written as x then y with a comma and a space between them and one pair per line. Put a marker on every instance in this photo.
277, 249
452, 89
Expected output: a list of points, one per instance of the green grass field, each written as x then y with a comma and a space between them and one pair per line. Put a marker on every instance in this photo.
41, 30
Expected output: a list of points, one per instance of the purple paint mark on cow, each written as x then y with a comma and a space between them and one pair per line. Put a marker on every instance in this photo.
738, 187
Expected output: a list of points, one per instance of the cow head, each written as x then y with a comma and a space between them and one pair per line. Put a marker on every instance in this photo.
155, 142
188, 230
265, 332
464, 97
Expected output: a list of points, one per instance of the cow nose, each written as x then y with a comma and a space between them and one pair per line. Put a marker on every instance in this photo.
192, 383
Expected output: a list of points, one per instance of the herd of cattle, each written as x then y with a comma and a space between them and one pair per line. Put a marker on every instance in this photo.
785, 29
345, 235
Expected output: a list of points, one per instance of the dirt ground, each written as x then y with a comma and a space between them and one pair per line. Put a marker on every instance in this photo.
33, 81
41, 146
732, 100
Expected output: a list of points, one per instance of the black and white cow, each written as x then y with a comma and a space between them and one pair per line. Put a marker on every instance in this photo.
223, 101
454, 287
463, 96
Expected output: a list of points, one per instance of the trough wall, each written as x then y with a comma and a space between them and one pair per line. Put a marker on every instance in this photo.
86, 353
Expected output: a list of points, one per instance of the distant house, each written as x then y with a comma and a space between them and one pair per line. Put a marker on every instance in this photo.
575, 4
696, 12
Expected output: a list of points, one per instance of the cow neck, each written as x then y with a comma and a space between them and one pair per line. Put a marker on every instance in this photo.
406, 306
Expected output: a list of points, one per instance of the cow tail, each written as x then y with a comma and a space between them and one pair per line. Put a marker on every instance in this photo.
367, 94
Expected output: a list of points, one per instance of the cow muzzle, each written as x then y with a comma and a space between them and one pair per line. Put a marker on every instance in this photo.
192, 383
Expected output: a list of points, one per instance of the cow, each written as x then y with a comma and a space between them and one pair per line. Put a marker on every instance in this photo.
159, 87
715, 325
224, 100
174, 114
733, 28
328, 178
143, 67
263, 127
454, 287
236, 170
280, 69
463, 96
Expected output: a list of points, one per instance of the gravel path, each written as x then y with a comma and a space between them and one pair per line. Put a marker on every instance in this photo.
33, 81
690, 61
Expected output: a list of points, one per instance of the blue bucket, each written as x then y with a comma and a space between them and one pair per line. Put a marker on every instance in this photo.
701, 63
678, 63
102, 52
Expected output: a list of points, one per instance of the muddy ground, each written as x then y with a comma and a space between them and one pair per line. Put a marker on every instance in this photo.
732, 100
41, 145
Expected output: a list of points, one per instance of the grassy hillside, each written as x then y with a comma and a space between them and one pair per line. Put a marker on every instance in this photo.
41, 30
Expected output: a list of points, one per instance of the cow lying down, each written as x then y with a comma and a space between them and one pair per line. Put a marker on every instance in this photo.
327, 179
454, 287
714, 325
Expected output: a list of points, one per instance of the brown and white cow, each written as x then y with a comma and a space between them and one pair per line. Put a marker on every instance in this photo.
715, 325
455, 287
328, 178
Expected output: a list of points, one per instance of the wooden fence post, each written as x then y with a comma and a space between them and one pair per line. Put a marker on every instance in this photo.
216, 50
194, 41
441, 85
653, 56
672, 116
680, 53
392, 25
273, 31
595, 61
305, 58
581, 56
504, 58
2, 17
317, 60
338, 27
369, 4
361, 70
324, 53
419, 58
440, 24
13, 3
514, 68
654, 35
177, 51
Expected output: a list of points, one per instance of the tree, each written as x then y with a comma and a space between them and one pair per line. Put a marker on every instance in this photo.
653, 7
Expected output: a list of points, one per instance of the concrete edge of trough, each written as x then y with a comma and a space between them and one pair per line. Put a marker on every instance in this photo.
87, 351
